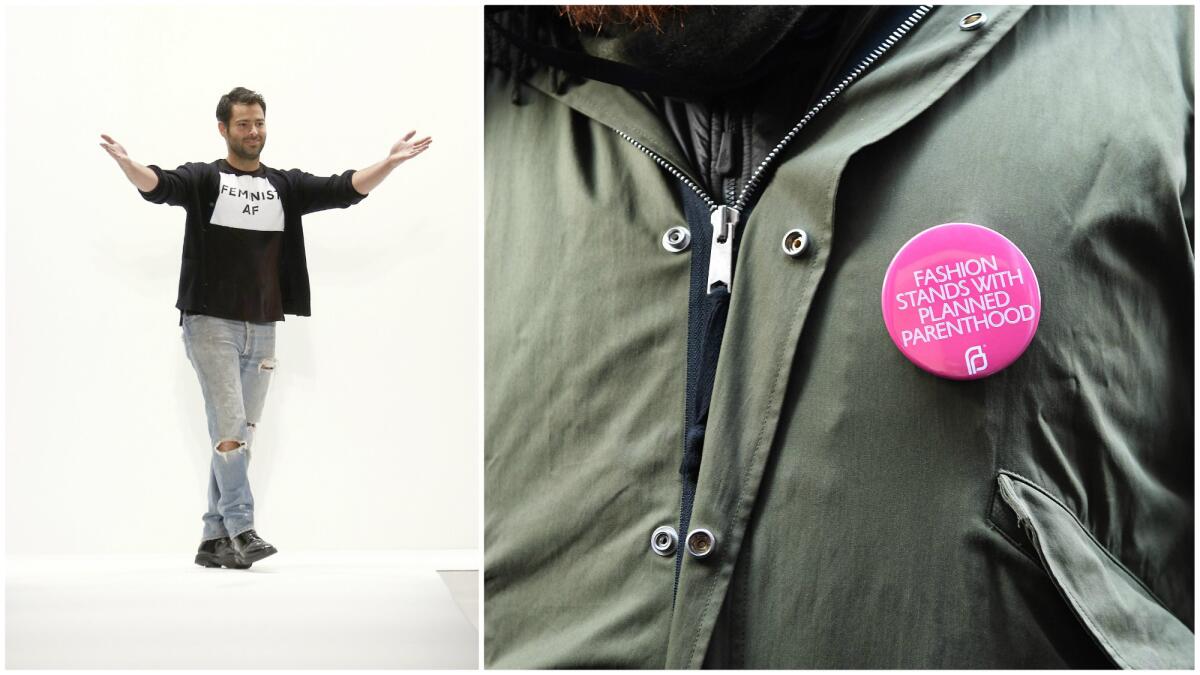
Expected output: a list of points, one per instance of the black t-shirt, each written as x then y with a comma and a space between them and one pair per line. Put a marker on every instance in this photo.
244, 241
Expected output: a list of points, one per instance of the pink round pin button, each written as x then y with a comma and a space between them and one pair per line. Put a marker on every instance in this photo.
961, 301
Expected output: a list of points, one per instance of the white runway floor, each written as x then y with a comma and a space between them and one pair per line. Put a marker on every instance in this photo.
292, 610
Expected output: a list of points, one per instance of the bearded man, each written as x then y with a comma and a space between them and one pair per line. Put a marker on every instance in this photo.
243, 269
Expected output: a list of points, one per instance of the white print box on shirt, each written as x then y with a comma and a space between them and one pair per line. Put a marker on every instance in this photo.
248, 203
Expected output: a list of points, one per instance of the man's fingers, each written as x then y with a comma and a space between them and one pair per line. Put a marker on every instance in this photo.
112, 147
406, 148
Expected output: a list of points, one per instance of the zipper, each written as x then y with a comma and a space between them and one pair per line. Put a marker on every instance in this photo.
725, 217
724, 220
708, 305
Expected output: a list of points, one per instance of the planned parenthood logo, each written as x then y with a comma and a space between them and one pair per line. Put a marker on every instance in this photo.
976, 360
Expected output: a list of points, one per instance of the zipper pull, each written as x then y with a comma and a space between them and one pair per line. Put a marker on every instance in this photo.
724, 221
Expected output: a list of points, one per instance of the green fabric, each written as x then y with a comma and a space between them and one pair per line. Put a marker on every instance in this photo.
853, 495
1121, 613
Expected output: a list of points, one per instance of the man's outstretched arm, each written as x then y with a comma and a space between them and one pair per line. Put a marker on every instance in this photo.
142, 177
365, 180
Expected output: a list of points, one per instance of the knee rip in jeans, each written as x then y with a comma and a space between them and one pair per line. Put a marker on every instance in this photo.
227, 447
266, 364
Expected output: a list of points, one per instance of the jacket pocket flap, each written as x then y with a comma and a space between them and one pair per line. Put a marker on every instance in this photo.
1124, 617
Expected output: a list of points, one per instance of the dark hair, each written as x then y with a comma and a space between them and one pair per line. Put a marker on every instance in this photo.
240, 95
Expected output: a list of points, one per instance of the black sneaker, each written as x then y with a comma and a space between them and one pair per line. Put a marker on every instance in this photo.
219, 553
251, 548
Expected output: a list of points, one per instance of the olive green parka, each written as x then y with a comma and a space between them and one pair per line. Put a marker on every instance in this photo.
866, 514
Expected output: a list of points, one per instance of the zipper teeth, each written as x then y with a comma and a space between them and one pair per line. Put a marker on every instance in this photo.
861, 68
670, 168
752, 184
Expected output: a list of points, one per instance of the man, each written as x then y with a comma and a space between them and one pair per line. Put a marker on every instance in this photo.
704, 448
243, 269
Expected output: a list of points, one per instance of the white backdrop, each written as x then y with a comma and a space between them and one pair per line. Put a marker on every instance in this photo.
369, 436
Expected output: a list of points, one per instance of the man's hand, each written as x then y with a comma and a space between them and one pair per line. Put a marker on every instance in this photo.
142, 178
405, 148
114, 149
365, 180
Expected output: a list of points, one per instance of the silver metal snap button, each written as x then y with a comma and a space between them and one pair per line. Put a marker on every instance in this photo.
677, 239
700, 543
972, 21
664, 540
795, 242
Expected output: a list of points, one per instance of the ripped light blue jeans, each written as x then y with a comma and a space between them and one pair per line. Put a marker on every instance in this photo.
234, 361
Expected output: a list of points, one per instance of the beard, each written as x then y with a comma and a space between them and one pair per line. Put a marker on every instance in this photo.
242, 152
594, 17
720, 48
